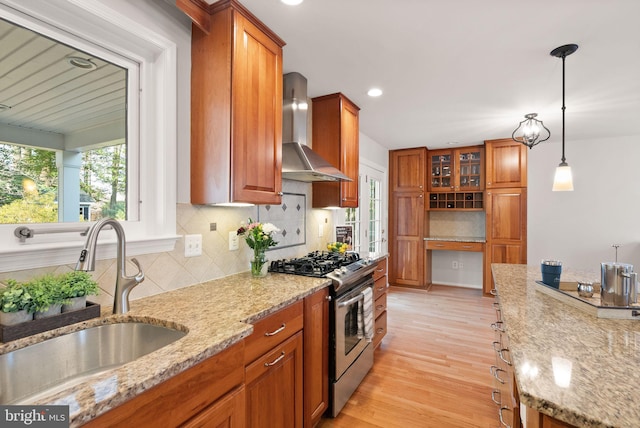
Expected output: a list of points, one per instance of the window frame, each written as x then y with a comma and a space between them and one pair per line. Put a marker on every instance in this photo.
154, 124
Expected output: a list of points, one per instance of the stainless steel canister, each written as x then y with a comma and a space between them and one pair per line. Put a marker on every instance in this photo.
618, 284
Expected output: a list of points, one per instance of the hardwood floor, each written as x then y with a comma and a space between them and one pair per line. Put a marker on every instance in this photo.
432, 368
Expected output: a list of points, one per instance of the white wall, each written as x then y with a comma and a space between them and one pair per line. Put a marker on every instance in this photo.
579, 227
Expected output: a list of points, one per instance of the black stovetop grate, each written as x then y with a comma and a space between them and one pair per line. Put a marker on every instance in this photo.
316, 264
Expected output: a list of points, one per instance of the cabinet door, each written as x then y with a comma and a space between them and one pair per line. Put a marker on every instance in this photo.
506, 229
407, 170
506, 162
274, 387
316, 356
469, 169
407, 241
228, 412
350, 153
441, 167
257, 116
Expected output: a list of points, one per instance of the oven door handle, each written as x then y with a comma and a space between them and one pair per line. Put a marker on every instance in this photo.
351, 301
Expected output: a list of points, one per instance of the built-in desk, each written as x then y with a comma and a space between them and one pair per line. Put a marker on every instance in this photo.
451, 243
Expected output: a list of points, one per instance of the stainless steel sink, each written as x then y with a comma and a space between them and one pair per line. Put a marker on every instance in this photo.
61, 362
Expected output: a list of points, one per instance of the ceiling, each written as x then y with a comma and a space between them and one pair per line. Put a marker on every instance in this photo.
49, 98
460, 72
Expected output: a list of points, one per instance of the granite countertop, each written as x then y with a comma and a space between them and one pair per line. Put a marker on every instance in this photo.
569, 364
216, 314
456, 238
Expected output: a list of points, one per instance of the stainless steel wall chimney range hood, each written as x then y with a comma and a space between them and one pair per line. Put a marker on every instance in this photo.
299, 162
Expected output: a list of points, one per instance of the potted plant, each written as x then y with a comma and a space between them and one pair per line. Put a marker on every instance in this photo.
46, 295
75, 286
15, 304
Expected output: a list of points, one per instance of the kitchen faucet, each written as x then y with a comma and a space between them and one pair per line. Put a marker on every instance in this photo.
124, 283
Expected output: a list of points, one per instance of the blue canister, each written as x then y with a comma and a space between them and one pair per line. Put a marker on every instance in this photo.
551, 270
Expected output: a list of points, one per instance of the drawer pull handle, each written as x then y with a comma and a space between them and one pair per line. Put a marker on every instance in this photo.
500, 414
275, 332
497, 326
379, 307
495, 372
499, 351
274, 362
493, 292
380, 270
493, 396
380, 331
380, 288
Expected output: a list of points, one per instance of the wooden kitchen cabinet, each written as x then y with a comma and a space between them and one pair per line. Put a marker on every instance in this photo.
236, 109
456, 170
408, 168
228, 412
273, 370
506, 163
380, 301
316, 356
207, 387
506, 229
335, 137
407, 217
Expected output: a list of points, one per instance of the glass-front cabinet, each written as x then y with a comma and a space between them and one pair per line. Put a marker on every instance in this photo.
456, 170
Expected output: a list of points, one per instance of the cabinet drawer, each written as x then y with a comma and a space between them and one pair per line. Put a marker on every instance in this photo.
380, 305
272, 360
381, 329
380, 287
455, 246
272, 330
381, 270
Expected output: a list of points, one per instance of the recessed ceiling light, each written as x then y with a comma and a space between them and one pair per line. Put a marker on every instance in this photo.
374, 92
85, 64
291, 2
4, 107
453, 143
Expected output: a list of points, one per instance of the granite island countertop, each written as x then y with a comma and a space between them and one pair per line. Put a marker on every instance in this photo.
569, 364
216, 314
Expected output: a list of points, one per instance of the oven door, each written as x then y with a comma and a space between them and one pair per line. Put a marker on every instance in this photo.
347, 345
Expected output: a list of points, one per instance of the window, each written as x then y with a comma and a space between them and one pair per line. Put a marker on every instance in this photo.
369, 219
151, 119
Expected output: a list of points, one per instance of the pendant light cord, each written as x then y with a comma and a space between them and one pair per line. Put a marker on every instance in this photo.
564, 160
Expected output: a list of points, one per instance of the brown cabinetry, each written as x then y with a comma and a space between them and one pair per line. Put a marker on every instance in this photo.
228, 412
316, 356
335, 137
456, 170
236, 109
506, 164
273, 371
407, 217
204, 388
380, 301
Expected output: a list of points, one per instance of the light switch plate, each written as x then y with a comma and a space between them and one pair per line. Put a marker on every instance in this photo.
192, 245
233, 240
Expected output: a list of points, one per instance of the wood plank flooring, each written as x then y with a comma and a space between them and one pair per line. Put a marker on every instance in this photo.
432, 368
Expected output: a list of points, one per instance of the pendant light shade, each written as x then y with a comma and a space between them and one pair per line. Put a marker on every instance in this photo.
529, 131
563, 180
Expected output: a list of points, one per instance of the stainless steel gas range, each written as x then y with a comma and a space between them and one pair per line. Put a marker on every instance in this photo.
351, 353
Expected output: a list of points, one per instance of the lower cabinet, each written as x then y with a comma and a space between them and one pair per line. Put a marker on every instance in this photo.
273, 370
380, 301
228, 412
316, 356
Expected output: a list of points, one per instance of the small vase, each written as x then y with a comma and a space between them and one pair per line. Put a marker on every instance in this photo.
13, 318
53, 310
75, 303
259, 265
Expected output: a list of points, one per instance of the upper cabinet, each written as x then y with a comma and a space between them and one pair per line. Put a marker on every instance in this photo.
506, 163
236, 107
456, 170
335, 138
408, 166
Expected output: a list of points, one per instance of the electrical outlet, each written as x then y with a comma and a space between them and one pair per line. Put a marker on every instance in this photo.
192, 245
454, 264
233, 240
460, 265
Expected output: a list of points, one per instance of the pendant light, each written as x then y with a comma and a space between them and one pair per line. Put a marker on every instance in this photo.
531, 129
563, 180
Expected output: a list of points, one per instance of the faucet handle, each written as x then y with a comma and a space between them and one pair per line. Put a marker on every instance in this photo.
139, 277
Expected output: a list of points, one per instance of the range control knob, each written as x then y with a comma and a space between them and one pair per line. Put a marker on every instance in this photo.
344, 269
337, 272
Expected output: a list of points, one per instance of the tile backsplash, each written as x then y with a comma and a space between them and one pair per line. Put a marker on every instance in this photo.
171, 270
457, 223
